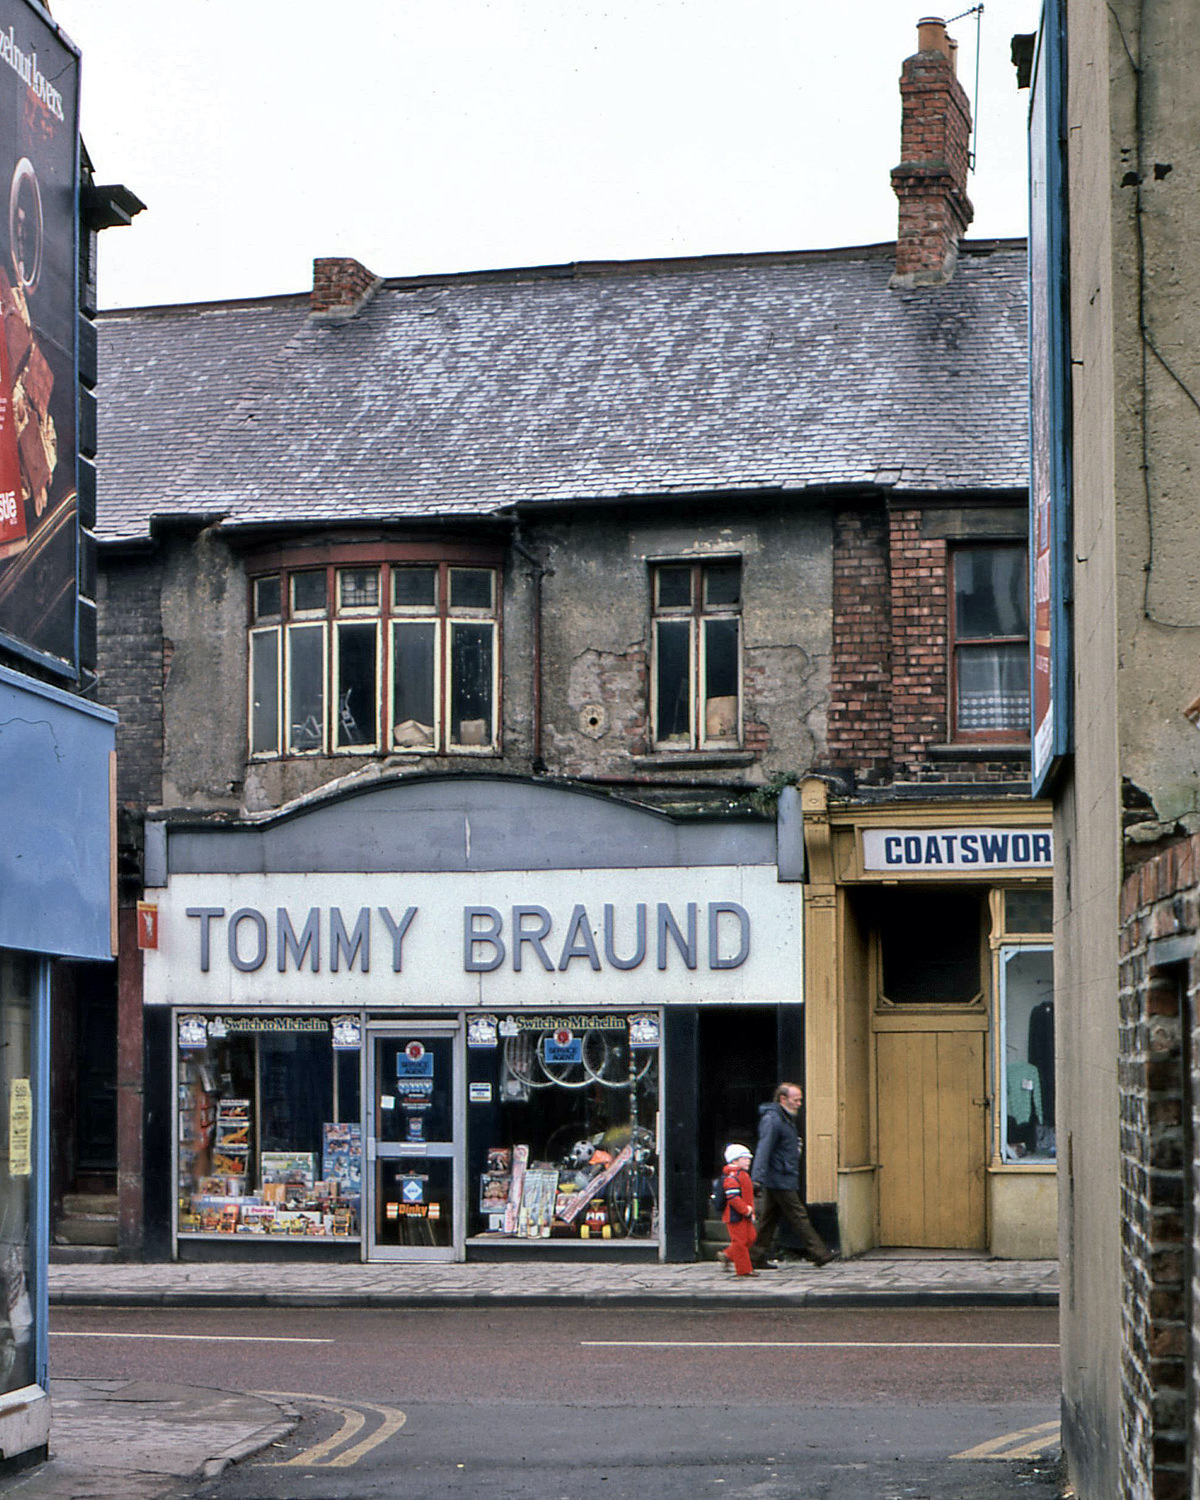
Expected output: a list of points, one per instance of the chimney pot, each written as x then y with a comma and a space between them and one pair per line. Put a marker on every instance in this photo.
931, 35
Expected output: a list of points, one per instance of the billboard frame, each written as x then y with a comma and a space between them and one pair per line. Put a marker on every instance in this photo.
57, 648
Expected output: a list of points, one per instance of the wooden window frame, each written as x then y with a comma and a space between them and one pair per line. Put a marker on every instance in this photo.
956, 644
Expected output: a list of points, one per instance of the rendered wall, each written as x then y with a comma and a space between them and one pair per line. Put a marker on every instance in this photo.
1088, 801
1022, 1215
595, 650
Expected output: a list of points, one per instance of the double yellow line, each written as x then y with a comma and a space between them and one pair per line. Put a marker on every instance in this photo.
1030, 1442
353, 1422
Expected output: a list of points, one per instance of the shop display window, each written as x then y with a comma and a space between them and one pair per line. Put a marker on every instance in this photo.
270, 1137
563, 1119
1027, 1054
19, 977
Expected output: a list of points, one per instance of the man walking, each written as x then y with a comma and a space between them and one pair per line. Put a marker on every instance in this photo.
776, 1174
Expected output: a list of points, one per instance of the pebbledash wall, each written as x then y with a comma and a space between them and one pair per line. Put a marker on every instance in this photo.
438, 911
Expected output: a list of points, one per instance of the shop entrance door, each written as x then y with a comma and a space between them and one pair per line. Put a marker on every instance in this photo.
932, 1135
414, 1146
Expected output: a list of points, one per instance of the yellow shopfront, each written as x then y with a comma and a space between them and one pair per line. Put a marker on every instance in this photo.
930, 1056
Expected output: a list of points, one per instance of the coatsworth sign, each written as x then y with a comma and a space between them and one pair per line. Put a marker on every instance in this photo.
586, 937
978, 851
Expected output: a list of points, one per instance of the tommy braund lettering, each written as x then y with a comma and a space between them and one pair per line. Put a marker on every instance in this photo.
713, 935
530, 937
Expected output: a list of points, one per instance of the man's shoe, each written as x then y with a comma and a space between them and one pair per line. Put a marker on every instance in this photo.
769, 1265
823, 1260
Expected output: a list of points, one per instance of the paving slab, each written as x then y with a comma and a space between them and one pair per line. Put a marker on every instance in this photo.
876, 1279
133, 1440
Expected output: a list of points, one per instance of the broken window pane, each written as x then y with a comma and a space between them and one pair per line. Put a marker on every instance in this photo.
414, 588
357, 692
413, 674
471, 588
470, 684
264, 691
720, 679
673, 662
306, 687
308, 591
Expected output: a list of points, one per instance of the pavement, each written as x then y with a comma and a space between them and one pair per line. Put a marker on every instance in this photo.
122, 1440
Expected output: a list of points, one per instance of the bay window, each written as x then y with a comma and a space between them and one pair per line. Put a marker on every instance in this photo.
696, 671
386, 657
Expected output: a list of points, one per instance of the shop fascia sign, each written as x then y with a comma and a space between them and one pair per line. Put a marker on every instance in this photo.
973, 850
724, 932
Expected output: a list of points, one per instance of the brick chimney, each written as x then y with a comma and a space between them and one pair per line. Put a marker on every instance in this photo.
931, 180
340, 286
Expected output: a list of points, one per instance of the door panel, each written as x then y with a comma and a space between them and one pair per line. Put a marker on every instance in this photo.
932, 1139
415, 1145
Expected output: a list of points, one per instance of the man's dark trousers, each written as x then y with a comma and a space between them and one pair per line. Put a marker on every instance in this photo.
775, 1204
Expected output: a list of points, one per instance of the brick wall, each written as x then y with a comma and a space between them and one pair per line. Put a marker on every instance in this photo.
860, 710
919, 641
1159, 1088
890, 678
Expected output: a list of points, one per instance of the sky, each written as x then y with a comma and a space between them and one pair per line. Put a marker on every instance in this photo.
425, 136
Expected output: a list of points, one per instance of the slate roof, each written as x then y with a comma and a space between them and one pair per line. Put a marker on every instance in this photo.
467, 395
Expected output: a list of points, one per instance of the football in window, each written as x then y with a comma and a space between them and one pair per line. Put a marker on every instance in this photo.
697, 654
390, 657
990, 643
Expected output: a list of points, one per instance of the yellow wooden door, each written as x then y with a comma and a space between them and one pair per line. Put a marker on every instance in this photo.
932, 1138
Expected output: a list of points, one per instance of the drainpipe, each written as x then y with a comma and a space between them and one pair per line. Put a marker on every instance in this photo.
539, 572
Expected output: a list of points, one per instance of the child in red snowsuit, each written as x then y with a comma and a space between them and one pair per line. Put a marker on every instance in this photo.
739, 1208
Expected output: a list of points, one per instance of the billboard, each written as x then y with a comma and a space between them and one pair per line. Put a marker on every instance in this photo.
1049, 393
39, 301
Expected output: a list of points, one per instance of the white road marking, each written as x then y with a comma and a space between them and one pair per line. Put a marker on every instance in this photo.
191, 1338
797, 1344
1029, 1442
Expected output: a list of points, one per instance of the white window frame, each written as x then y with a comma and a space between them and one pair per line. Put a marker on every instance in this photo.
696, 614
385, 617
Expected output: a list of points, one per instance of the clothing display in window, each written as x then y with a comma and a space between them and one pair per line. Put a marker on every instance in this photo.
1041, 1053
1024, 1093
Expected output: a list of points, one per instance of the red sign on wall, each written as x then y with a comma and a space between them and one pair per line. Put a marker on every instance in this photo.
147, 924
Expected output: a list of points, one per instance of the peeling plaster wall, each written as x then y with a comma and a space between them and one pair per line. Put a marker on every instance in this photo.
594, 648
596, 640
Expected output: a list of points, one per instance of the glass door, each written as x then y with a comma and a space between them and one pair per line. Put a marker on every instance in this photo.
415, 1129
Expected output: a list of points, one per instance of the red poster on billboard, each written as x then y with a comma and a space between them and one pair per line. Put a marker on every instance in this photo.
39, 86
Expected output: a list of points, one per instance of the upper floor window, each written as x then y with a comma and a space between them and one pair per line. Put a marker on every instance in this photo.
990, 643
696, 684
379, 657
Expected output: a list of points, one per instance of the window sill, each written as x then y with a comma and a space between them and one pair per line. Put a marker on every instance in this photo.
693, 760
980, 750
